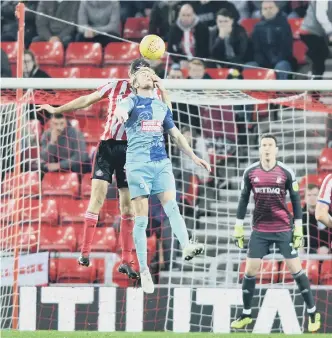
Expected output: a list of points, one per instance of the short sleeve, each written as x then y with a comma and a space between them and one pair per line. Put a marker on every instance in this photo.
126, 104
105, 90
168, 121
325, 191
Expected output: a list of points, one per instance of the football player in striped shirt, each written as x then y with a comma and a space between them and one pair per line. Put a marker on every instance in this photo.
269, 180
324, 201
110, 158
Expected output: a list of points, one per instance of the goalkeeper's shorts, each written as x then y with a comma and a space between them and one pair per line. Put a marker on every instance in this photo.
260, 243
150, 178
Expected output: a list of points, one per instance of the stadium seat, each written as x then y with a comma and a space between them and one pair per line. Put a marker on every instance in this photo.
73, 211
299, 52
110, 212
136, 28
60, 184
27, 238
325, 160
249, 24
45, 209
11, 50
104, 240
48, 53
312, 268
268, 272
118, 72
326, 273
68, 271
28, 183
60, 72
93, 130
295, 24
57, 238
258, 74
86, 183
84, 53
120, 53
217, 73
52, 269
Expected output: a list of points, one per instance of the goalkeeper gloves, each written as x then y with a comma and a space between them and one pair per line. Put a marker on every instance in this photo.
239, 236
298, 234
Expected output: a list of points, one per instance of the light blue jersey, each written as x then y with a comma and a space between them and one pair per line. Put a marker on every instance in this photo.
148, 119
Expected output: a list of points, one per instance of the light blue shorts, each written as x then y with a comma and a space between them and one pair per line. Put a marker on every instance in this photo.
150, 178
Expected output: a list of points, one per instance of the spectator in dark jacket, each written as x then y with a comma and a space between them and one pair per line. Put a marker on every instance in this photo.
273, 41
188, 37
52, 30
5, 65
316, 33
229, 40
197, 70
30, 66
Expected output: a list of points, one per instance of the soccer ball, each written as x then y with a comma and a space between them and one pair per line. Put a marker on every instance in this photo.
152, 47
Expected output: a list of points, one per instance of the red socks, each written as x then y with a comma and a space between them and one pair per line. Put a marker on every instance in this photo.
90, 224
126, 237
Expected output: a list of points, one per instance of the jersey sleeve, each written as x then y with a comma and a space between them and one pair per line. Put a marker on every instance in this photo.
293, 187
126, 104
325, 191
245, 195
105, 90
168, 121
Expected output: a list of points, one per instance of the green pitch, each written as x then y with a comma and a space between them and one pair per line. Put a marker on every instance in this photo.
94, 334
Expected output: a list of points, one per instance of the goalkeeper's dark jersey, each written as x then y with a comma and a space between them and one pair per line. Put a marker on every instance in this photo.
270, 188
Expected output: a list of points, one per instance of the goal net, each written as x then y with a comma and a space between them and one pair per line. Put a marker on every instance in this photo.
222, 120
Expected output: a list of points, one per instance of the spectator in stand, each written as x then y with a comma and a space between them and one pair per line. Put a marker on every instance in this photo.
163, 15
316, 33
63, 148
175, 72
103, 16
257, 7
273, 41
5, 65
52, 30
298, 9
228, 40
243, 8
206, 10
197, 70
131, 9
188, 36
9, 23
317, 237
30, 66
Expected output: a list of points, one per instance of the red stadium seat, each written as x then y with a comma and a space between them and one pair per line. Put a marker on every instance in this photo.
326, 273
53, 264
28, 183
104, 240
295, 24
27, 238
86, 184
60, 184
84, 53
136, 28
73, 211
110, 212
11, 50
258, 74
93, 130
217, 73
325, 160
57, 239
68, 271
119, 72
45, 209
249, 24
268, 272
48, 53
120, 53
312, 268
299, 52
68, 72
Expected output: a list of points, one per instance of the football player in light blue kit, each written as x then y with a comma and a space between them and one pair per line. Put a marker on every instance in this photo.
148, 169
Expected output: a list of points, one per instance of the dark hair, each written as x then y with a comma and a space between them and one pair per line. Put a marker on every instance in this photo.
269, 136
225, 12
137, 64
312, 186
58, 116
197, 62
29, 52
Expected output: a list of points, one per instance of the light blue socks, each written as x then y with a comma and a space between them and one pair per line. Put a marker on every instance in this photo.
177, 222
139, 234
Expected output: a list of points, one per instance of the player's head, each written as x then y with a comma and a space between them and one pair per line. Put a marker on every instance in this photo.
59, 123
311, 195
142, 79
138, 64
268, 147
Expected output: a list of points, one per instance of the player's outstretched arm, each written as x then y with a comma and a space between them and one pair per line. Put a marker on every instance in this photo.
79, 103
183, 145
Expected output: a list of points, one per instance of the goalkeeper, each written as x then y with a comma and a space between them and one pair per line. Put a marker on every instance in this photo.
270, 180
148, 169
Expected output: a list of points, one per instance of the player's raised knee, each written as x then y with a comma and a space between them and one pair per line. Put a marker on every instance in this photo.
171, 207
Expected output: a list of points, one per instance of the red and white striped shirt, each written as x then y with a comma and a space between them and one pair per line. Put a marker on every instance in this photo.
325, 192
115, 91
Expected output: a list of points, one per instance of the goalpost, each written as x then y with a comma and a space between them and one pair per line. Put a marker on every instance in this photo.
223, 119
